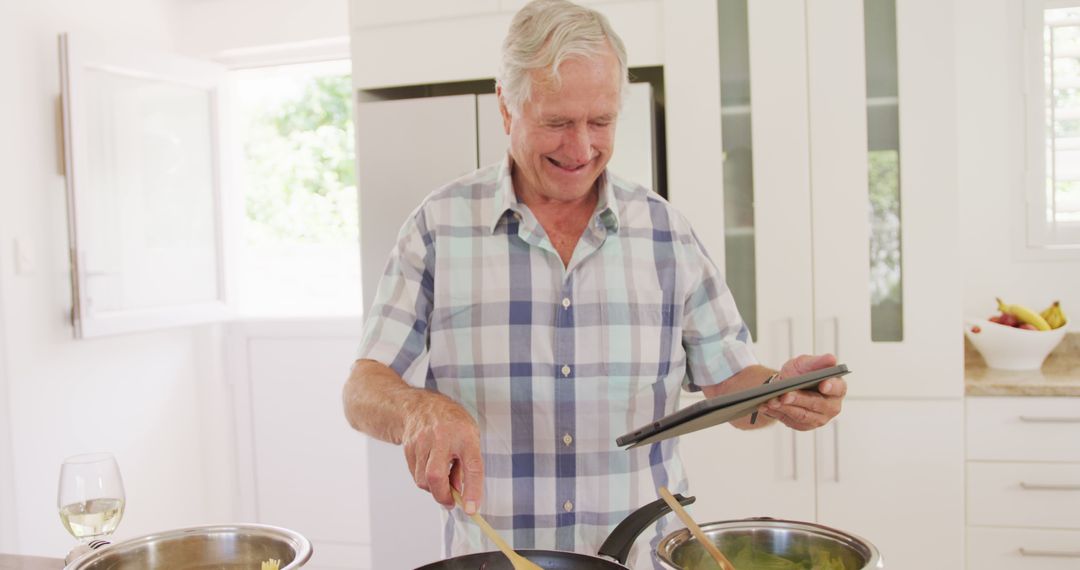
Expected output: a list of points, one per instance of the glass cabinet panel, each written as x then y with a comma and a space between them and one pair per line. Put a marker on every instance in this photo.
883, 138
738, 164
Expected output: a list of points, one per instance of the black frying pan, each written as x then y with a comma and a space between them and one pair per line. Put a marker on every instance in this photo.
612, 555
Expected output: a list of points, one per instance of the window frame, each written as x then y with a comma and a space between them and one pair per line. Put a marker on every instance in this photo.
1038, 239
308, 52
81, 54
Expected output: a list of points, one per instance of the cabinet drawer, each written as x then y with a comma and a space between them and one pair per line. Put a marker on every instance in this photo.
1041, 495
1023, 429
1022, 549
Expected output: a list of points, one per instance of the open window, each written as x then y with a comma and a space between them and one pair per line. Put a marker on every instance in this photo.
201, 191
141, 140
1052, 57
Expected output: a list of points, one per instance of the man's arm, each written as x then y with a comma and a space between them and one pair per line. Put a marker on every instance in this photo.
440, 439
800, 409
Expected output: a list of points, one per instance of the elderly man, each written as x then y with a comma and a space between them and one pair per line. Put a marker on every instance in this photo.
552, 307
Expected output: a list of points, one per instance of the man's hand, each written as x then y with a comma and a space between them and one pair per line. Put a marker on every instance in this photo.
442, 445
440, 439
807, 409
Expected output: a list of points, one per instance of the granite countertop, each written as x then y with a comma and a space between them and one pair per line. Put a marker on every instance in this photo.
1059, 375
14, 562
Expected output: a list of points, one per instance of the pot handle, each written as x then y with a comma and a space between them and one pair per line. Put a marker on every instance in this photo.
618, 543
81, 549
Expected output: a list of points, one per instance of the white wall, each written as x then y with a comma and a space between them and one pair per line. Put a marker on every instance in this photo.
8, 531
990, 117
208, 27
156, 400
159, 400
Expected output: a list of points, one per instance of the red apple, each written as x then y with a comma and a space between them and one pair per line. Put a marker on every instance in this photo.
1028, 327
1009, 319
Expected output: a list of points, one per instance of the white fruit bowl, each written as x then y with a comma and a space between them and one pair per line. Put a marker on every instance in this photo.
1010, 348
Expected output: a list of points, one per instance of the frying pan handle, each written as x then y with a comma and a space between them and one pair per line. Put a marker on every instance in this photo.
618, 543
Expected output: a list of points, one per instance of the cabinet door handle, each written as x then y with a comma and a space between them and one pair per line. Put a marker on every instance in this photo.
794, 456
819, 334
1045, 487
1049, 553
1050, 419
836, 450
782, 339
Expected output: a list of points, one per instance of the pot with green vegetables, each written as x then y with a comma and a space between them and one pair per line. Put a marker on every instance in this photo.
770, 544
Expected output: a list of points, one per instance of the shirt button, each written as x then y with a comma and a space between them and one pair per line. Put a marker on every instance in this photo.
568, 506
567, 439
566, 370
566, 302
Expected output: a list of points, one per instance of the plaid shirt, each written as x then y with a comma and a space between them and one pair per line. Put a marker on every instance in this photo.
554, 362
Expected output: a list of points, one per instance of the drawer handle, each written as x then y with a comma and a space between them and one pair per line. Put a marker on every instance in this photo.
1050, 419
1043, 487
1049, 553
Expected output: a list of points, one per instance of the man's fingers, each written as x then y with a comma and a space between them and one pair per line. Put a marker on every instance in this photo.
833, 387
812, 401
472, 476
807, 363
797, 418
437, 476
418, 460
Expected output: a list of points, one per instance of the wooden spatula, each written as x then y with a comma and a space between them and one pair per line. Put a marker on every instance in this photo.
703, 540
518, 561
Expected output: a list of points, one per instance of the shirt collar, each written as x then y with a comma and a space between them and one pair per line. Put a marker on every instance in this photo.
507, 204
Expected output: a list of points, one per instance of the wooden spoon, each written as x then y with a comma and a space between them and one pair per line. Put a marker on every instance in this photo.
703, 540
518, 561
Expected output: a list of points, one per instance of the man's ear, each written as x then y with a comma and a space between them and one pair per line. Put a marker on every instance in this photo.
503, 109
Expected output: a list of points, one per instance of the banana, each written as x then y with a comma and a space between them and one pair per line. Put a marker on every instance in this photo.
1025, 315
1054, 316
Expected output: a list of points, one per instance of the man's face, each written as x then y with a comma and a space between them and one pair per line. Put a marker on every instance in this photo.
564, 136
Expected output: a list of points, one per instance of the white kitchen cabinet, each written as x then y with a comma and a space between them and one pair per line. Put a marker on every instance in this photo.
1019, 549
300, 464
1023, 429
891, 470
809, 201
804, 131
1023, 483
737, 474
881, 470
371, 13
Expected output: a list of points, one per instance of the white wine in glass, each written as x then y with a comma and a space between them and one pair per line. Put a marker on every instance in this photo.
91, 495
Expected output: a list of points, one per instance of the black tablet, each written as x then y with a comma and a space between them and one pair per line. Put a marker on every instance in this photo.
723, 408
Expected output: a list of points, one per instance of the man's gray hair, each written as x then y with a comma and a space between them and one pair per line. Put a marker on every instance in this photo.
543, 34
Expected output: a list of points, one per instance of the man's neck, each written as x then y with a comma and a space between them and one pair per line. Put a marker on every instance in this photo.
564, 221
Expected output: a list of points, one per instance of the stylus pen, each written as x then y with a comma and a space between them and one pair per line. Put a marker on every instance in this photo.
753, 416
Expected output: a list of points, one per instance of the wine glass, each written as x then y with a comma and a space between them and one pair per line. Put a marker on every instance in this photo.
91, 495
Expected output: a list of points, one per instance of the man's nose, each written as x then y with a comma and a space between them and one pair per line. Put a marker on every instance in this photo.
578, 144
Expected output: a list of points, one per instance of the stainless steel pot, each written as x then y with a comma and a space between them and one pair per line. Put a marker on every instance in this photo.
764, 540
217, 547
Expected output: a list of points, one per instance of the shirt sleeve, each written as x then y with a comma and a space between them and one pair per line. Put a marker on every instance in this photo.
396, 326
715, 337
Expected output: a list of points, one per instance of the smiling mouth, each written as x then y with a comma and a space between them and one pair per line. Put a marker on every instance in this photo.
567, 167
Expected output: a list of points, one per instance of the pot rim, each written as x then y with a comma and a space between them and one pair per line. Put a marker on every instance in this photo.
674, 539
299, 542
497, 554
